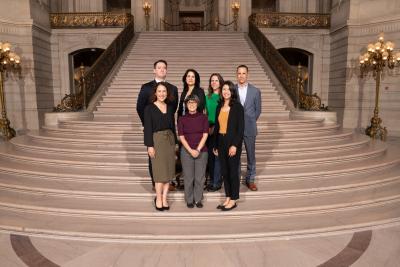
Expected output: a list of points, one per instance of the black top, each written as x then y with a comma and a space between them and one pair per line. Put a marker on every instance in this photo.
235, 128
155, 121
199, 92
144, 98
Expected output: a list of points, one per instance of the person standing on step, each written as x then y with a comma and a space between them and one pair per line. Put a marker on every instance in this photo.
191, 86
193, 133
228, 135
250, 98
146, 91
160, 140
212, 100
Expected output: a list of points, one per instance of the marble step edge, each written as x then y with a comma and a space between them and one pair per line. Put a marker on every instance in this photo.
317, 173
302, 130
262, 193
101, 163
258, 214
101, 152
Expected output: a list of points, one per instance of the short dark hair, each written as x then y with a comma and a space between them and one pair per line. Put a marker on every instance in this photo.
196, 79
242, 66
153, 97
234, 95
160, 61
221, 81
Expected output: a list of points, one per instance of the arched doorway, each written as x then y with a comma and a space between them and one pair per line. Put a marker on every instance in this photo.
86, 57
296, 56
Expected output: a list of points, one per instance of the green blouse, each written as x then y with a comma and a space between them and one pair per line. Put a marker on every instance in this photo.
211, 107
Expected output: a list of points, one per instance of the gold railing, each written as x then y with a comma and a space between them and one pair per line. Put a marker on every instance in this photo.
289, 78
291, 20
89, 20
90, 81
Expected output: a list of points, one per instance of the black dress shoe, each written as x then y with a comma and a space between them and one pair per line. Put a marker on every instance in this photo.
190, 205
165, 207
213, 188
227, 209
220, 207
199, 204
155, 205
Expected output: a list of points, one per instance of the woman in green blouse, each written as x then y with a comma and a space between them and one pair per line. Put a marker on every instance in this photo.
212, 99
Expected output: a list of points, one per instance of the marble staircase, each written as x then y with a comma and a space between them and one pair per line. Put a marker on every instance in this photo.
88, 179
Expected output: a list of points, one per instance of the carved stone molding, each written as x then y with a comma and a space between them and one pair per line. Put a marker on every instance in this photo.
89, 20
291, 20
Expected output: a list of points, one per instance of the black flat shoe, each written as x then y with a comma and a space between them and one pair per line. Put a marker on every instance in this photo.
220, 207
190, 205
165, 207
155, 205
227, 209
199, 204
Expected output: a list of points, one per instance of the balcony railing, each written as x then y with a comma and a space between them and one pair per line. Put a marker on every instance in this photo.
89, 20
291, 20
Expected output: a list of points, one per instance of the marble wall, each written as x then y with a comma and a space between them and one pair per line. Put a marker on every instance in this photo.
356, 23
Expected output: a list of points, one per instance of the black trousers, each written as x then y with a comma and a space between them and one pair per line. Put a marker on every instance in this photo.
229, 168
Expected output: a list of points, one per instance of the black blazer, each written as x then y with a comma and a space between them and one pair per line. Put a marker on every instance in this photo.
144, 98
235, 128
199, 92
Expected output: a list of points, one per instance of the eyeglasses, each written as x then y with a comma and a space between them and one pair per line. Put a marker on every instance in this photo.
191, 102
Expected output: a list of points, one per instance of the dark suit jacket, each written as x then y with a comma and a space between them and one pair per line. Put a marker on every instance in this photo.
235, 128
200, 94
144, 97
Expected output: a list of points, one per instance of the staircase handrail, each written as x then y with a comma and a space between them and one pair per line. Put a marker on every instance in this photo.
291, 80
91, 80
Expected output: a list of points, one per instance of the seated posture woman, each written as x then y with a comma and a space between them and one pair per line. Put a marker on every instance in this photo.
160, 139
228, 134
212, 100
193, 133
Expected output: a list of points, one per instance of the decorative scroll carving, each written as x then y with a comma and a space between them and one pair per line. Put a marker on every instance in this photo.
291, 20
89, 20
289, 78
90, 81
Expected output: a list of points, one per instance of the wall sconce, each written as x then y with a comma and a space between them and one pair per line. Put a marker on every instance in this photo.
9, 62
147, 9
235, 8
378, 55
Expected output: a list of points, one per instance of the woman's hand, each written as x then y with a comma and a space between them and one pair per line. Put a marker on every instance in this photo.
232, 151
151, 151
195, 153
215, 151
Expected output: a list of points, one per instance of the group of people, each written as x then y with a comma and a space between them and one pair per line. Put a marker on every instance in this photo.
211, 127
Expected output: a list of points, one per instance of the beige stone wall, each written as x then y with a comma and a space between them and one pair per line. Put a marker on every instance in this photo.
66, 41
356, 24
314, 41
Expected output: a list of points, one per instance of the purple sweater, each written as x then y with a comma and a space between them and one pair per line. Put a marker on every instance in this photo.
192, 127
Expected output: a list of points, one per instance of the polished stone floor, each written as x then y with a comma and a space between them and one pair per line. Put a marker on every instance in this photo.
378, 247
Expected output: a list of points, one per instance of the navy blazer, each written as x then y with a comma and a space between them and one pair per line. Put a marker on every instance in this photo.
252, 109
235, 128
144, 98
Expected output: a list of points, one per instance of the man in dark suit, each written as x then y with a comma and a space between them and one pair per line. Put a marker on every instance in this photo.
146, 91
250, 98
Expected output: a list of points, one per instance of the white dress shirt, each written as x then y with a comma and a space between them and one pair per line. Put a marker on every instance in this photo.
242, 89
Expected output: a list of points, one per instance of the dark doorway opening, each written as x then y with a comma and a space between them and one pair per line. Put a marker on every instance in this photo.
118, 6
296, 56
191, 20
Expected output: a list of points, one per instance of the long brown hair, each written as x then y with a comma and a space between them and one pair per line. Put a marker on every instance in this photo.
221, 82
153, 97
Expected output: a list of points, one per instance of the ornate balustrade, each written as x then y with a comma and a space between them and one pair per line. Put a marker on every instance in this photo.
90, 81
290, 79
89, 20
291, 20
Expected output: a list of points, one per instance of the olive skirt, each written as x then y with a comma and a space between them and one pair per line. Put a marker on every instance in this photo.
163, 164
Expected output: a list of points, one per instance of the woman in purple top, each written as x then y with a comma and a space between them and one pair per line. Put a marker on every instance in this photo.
193, 133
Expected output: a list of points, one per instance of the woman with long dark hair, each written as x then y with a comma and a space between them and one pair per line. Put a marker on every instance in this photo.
160, 139
191, 86
228, 134
212, 100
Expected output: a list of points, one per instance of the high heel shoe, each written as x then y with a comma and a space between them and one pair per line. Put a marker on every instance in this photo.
155, 205
165, 207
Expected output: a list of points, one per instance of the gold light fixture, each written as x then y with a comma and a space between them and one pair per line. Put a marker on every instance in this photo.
235, 8
378, 55
147, 8
9, 62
